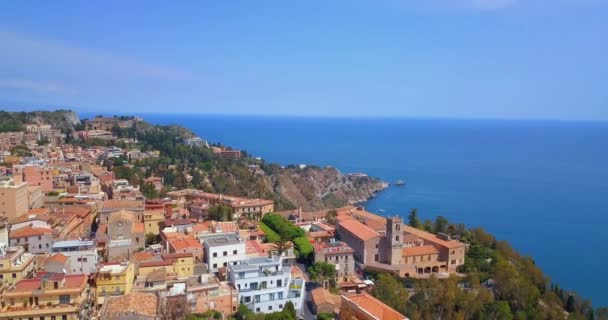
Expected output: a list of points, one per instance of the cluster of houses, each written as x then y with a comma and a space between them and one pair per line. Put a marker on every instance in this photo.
77, 243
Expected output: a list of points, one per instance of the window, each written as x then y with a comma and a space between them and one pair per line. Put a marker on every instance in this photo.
257, 309
233, 251
376, 257
84, 259
64, 317
14, 276
215, 254
225, 253
214, 265
396, 238
280, 306
64, 299
453, 261
270, 308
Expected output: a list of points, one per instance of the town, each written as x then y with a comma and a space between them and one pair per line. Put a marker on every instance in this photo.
78, 242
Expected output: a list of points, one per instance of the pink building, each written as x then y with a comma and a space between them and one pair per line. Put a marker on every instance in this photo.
34, 176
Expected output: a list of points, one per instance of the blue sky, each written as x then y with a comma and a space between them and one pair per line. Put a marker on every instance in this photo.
395, 58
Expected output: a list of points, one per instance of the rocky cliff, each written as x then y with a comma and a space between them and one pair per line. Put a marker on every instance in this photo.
314, 188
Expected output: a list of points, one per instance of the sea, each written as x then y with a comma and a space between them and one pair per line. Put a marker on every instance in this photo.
541, 185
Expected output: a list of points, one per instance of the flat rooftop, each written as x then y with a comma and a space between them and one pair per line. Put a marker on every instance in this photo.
221, 240
113, 268
73, 243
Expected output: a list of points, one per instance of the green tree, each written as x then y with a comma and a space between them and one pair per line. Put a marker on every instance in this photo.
414, 221
220, 212
440, 224
148, 190
570, 304
289, 310
324, 273
152, 239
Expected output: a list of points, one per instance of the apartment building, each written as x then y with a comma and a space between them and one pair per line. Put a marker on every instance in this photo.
339, 254
34, 175
13, 199
114, 279
32, 239
265, 285
82, 255
15, 264
223, 250
48, 296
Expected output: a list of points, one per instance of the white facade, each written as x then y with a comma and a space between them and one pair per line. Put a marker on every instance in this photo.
81, 254
265, 285
223, 250
33, 222
39, 243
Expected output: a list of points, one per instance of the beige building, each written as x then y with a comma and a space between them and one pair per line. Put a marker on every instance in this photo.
15, 264
49, 296
13, 199
151, 220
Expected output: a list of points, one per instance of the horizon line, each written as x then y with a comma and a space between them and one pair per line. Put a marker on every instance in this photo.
305, 116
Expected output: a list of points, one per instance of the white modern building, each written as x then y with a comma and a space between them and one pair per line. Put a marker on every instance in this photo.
222, 250
265, 285
81, 254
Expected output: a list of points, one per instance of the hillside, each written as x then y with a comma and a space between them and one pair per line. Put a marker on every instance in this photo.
59, 119
310, 188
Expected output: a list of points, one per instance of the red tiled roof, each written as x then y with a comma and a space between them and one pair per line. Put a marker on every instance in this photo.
29, 232
427, 236
358, 229
419, 251
58, 257
185, 243
374, 307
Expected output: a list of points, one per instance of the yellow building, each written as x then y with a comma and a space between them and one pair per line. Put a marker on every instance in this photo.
151, 220
49, 296
180, 265
15, 264
13, 199
114, 279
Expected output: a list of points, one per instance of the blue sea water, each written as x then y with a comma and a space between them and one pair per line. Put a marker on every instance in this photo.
541, 185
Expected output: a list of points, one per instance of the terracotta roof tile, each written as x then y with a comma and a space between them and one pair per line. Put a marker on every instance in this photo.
358, 229
427, 236
29, 232
135, 302
58, 257
374, 307
421, 250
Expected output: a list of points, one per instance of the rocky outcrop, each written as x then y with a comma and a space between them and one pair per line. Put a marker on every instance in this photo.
314, 188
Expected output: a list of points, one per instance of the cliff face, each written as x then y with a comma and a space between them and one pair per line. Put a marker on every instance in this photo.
320, 188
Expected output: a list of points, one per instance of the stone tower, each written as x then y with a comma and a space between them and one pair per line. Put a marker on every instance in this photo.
394, 235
